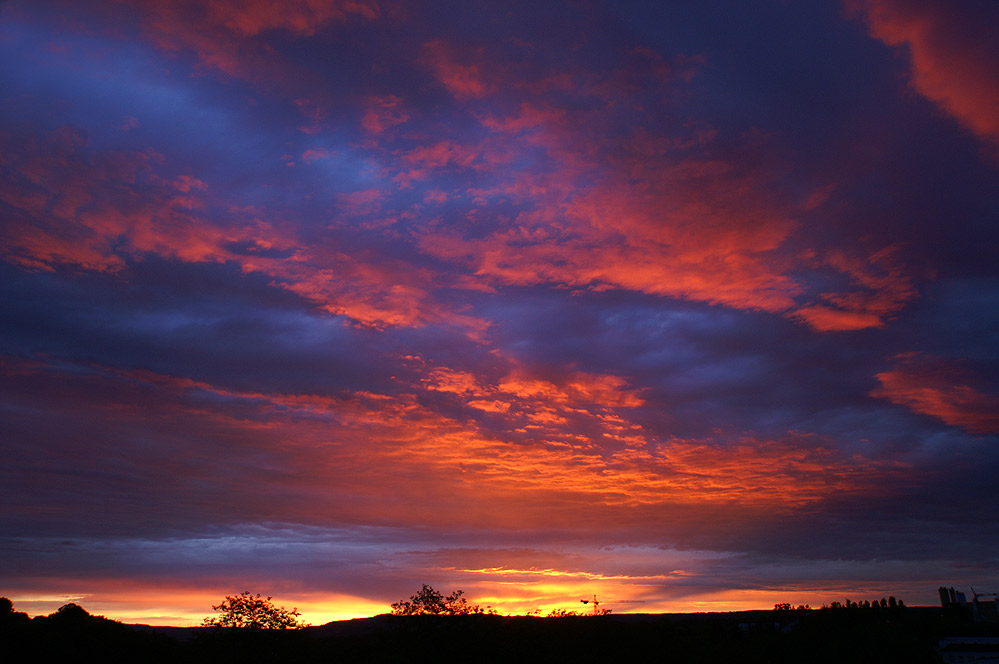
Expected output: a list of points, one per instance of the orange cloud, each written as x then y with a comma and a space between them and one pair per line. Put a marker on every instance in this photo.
578, 388
938, 388
951, 55
688, 230
458, 382
396, 460
403, 462
556, 466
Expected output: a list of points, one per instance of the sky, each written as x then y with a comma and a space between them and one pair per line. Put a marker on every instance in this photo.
691, 306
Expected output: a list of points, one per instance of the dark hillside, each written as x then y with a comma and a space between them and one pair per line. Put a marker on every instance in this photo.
907, 635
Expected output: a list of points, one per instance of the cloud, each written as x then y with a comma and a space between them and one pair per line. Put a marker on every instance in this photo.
349, 457
645, 211
302, 17
667, 223
952, 55
75, 207
233, 39
464, 80
596, 195
369, 295
881, 289
941, 389
99, 210
384, 113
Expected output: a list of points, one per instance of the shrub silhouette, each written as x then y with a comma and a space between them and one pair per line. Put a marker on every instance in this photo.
429, 602
247, 611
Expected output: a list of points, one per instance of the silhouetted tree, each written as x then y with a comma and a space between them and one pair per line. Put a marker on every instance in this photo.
70, 612
10, 618
253, 612
429, 602
786, 607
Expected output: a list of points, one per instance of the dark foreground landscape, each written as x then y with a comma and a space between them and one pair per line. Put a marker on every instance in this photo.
838, 635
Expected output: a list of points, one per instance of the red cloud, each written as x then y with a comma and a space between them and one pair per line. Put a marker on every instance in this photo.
303, 17
425, 159
829, 319
315, 154
75, 207
645, 211
952, 54
529, 117
97, 210
705, 232
248, 18
230, 36
881, 288
383, 113
463, 80
933, 386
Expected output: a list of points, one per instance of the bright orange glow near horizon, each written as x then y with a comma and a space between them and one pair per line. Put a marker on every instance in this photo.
188, 608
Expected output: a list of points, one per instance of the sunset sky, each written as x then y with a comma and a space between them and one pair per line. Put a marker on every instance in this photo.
689, 305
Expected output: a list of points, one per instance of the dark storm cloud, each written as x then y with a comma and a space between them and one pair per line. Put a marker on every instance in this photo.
207, 322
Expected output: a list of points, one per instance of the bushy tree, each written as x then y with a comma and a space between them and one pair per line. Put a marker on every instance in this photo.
254, 612
787, 607
429, 602
8, 616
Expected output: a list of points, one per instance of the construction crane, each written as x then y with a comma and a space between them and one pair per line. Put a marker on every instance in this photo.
977, 608
596, 603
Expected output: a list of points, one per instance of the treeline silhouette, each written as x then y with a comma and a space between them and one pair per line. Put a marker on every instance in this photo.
839, 633
71, 633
